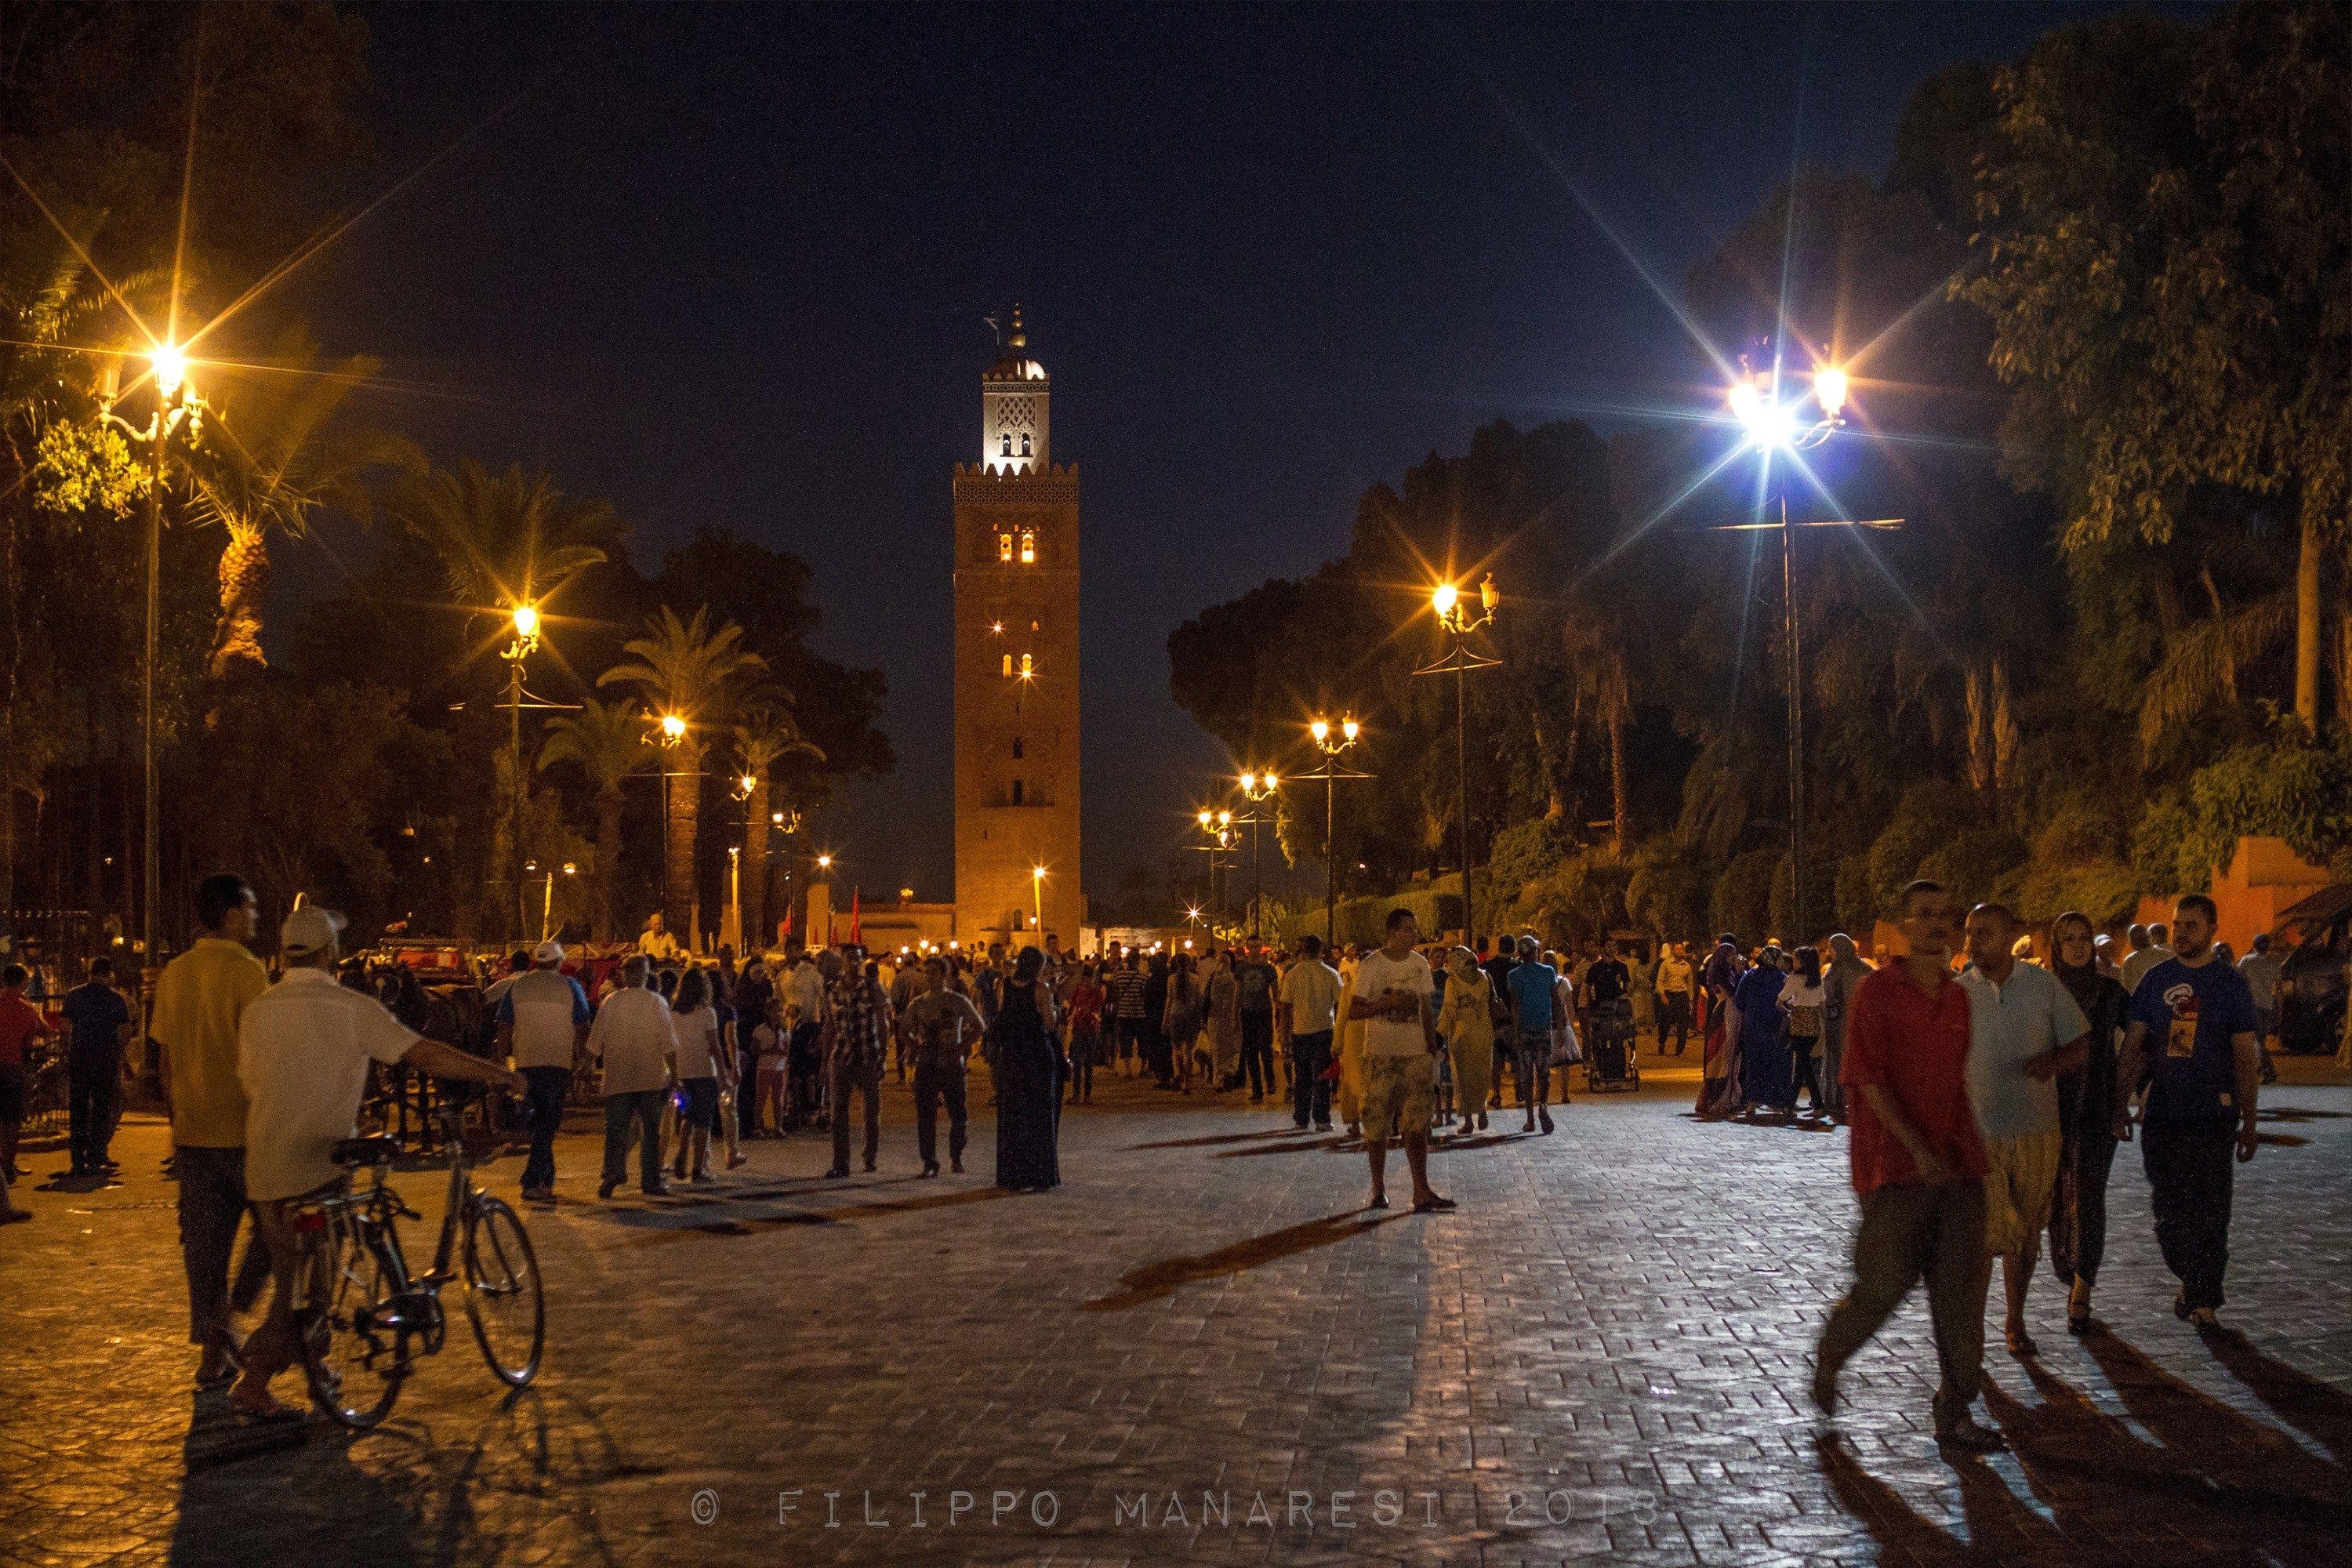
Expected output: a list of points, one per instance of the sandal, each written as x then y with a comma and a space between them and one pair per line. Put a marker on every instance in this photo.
2021, 1344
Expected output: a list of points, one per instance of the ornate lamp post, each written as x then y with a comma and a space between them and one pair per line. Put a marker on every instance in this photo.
1454, 620
1037, 893
1331, 740
176, 406
1256, 788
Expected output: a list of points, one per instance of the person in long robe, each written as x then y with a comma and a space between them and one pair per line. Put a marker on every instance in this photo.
1719, 1084
1026, 1060
1467, 1022
2078, 1210
1767, 1077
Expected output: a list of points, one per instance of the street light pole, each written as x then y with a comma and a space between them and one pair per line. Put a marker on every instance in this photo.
1454, 618
1331, 740
1257, 787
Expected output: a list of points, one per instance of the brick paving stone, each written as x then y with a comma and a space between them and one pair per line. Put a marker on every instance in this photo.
1601, 1358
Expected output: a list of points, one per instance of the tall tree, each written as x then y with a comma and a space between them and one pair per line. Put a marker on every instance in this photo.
607, 742
765, 735
690, 672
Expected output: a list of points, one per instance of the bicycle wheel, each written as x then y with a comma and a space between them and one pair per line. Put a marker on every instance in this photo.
355, 1346
503, 1296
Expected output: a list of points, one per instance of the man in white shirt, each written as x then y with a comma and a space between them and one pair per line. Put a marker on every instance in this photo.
803, 994
542, 1017
634, 1038
304, 1048
1310, 991
2148, 949
1391, 995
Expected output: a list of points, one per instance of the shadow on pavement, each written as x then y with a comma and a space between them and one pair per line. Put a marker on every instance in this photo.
1154, 1280
2175, 1465
1218, 1138
649, 1232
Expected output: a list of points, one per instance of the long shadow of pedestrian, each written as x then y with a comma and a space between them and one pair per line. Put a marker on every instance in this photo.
1306, 1146
1904, 1534
1215, 1139
2321, 1411
282, 1492
748, 1224
1154, 1280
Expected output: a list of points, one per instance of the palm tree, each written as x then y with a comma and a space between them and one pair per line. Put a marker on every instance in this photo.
689, 671
765, 734
606, 742
278, 453
504, 541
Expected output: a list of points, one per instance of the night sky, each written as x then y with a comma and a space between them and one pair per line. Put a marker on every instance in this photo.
729, 265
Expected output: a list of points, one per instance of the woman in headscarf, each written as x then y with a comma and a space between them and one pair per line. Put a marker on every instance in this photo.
1467, 1022
1225, 1021
1719, 1084
2086, 1097
1027, 1062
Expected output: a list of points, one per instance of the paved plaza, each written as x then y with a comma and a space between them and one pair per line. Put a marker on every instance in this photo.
1202, 1348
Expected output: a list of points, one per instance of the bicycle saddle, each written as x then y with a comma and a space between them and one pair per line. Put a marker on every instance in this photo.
376, 1151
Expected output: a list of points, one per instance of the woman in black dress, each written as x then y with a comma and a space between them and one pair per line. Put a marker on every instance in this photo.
1027, 1062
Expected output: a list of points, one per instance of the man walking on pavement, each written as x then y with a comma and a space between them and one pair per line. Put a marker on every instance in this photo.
1311, 992
544, 1021
636, 1041
856, 1039
938, 1028
2192, 1030
1919, 1166
1391, 995
97, 1028
200, 1000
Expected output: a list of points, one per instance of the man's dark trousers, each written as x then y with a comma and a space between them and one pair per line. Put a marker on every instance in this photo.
93, 1103
848, 1077
1310, 1097
211, 1203
934, 1081
1909, 1232
543, 1103
2190, 1170
1257, 1052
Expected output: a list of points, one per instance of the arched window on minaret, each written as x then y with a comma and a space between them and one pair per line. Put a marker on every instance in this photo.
1004, 547
1008, 446
1028, 548
1016, 792
1016, 748
1025, 444
1008, 664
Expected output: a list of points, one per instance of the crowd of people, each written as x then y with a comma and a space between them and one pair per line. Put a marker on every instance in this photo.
1986, 1090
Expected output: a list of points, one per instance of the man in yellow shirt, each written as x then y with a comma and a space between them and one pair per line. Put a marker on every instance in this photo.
200, 998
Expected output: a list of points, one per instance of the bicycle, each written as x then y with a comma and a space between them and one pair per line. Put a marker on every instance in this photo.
363, 1319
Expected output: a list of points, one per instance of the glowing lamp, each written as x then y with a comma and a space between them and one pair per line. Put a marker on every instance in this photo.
526, 622
1249, 782
1830, 387
1320, 729
1767, 423
1349, 728
825, 862
749, 781
1443, 600
673, 727
171, 368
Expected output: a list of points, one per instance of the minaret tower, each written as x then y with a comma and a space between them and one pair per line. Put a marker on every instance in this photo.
1016, 668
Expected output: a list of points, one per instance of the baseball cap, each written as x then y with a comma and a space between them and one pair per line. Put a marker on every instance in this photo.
309, 929
548, 952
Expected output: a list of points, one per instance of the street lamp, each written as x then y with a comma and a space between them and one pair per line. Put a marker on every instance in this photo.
1454, 618
1776, 425
1331, 742
176, 405
1037, 891
1257, 788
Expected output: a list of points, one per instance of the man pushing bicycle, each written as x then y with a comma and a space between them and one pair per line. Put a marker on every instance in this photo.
303, 1052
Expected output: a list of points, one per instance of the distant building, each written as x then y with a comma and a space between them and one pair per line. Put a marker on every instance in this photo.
1016, 667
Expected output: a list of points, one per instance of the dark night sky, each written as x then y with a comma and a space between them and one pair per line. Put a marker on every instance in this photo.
729, 264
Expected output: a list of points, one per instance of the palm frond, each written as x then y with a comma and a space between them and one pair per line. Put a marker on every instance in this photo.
2201, 667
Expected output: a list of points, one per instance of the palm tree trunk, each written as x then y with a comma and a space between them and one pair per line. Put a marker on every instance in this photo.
1620, 814
681, 902
2306, 626
244, 584
755, 867
608, 864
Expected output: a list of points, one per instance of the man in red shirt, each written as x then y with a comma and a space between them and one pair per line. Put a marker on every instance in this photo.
20, 1024
1919, 1167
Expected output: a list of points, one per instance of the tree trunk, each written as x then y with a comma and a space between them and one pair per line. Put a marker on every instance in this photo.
683, 790
602, 919
1621, 815
2306, 626
755, 868
244, 584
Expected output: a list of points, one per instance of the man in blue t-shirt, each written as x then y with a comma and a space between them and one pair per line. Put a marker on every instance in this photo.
2192, 1036
98, 1023
1530, 982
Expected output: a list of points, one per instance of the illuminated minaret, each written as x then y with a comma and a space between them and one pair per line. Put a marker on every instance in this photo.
1016, 667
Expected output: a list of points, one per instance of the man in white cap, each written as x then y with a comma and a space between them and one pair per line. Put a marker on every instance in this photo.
303, 1051
542, 1020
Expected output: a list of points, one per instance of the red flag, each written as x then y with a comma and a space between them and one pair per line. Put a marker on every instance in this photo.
784, 926
855, 934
